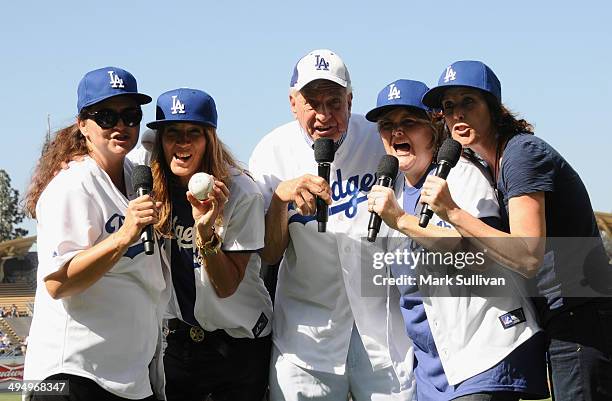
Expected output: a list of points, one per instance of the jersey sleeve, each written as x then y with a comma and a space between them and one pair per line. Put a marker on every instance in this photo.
68, 223
527, 167
246, 226
139, 156
261, 167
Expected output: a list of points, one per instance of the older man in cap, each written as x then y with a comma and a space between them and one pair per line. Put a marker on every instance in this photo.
330, 339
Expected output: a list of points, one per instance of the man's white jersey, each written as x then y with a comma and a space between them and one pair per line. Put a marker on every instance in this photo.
318, 295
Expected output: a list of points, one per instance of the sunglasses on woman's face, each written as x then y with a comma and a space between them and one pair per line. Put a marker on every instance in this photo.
108, 118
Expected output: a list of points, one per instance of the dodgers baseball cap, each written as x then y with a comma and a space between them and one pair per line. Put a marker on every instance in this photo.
473, 74
185, 105
400, 93
320, 64
105, 83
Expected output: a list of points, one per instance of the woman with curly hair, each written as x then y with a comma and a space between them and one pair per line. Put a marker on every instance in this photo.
99, 299
549, 234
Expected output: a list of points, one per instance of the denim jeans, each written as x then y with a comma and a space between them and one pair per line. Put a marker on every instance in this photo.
580, 352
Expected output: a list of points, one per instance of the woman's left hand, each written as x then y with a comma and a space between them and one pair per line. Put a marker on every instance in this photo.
436, 194
206, 212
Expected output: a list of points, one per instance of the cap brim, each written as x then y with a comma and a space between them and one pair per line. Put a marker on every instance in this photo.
433, 97
300, 85
374, 114
160, 123
140, 97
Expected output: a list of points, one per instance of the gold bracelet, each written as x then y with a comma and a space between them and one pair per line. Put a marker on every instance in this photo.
209, 248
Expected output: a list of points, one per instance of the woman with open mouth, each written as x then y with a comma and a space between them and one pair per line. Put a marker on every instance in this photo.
219, 339
467, 345
549, 229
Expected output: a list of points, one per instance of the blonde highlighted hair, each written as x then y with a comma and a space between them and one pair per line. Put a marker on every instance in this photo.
216, 161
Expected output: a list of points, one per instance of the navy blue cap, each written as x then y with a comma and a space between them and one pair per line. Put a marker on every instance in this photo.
104, 83
403, 92
473, 74
185, 105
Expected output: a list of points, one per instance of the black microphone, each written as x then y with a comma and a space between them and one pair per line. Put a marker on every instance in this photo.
142, 181
448, 156
387, 171
324, 154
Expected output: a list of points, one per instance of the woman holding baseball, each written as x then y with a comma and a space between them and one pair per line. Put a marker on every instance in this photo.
213, 215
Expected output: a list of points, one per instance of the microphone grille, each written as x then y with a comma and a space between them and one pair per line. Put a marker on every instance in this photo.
449, 152
388, 166
142, 177
324, 150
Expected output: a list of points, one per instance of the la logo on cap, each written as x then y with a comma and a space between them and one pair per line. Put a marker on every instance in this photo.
115, 81
177, 106
320, 63
394, 93
450, 74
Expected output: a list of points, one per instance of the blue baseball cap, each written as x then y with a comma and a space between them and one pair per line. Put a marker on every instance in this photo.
185, 105
400, 93
104, 83
473, 74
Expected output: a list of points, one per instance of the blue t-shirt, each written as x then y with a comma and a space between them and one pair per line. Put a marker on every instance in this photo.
183, 260
531, 165
515, 373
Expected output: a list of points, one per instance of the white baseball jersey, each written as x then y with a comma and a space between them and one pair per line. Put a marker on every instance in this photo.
140, 155
469, 330
318, 294
247, 312
111, 331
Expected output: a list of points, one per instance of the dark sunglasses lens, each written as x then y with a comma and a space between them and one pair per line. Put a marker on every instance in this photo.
131, 117
106, 118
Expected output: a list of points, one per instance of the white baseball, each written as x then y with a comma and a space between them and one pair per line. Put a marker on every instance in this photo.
200, 185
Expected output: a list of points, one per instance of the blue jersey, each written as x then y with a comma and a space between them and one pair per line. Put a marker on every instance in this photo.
182, 257
530, 165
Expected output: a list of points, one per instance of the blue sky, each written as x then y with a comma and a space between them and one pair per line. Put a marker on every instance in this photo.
554, 62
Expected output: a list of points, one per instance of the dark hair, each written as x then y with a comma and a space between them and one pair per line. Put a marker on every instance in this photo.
506, 123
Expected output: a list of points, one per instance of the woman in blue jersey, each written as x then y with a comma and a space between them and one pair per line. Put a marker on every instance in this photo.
219, 332
467, 346
549, 232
